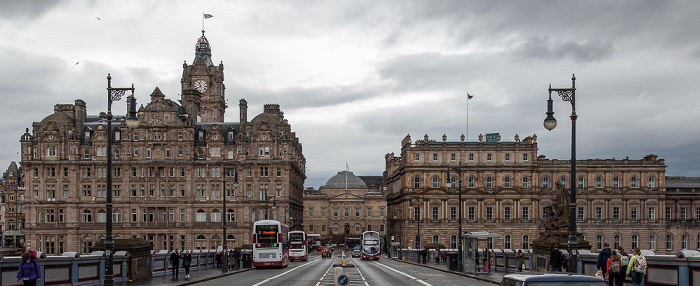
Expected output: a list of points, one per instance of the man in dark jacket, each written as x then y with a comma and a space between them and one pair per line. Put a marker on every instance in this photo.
602, 263
555, 259
236, 258
175, 261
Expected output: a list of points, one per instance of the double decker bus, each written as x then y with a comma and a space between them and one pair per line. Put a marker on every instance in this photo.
371, 247
270, 244
298, 250
351, 242
314, 241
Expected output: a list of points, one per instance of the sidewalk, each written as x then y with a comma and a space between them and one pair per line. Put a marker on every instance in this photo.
197, 276
492, 277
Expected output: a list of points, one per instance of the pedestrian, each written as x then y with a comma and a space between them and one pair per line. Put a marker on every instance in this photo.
236, 258
556, 259
175, 262
187, 263
603, 258
637, 267
219, 258
29, 271
444, 256
424, 253
520, 257
614, 266
624, 257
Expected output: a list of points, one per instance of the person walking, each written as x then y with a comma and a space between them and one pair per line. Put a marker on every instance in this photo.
29, 271
615, 272
520, 258
637, 268
236, 258
624, 257
424, 254
555, 259
603, 257
175, 262
218, 257
187, 263
444, 256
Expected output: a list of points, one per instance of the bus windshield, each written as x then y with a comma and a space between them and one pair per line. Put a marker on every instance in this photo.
267, 235
296, 236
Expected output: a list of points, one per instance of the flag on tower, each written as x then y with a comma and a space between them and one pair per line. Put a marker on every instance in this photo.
207, 16
469, 96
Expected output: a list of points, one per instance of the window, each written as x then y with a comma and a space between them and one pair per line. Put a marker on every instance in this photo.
507, 157
347, 212
278, 172
263, 171
179, 151
581, 213
616, 183
489, 157
416, 182
453, 241
489, 182
417, 157
526, 213
684, 242
436, 182
616, 240
599, 241
668, 214
472, 182
598, 213
471, 157
669, 242
335, 212
633, 182
471, 213
453, 157
436, 213
651, 182
436, 239
215, 215
598, 182
369, 212
616, 213
489, 213
323, 212
357, 212
416, 213
435, 157
526, 242
563, 181
652, 213
453, 213
635, 243
506, 243
652, 242
525, 182
148, 152
86, 216
580, 182
683, 213
506, 213
201, 216
633, 214
311, 211
525, 157
545, 182
506, 182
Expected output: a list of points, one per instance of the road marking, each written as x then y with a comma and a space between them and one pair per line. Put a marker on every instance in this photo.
404, 274
284, 273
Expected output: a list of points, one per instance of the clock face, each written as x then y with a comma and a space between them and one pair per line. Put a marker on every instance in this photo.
200, 85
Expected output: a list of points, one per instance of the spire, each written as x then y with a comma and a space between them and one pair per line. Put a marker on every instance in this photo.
202, 51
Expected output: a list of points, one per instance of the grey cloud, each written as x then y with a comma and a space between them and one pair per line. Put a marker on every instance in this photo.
544, 49
26, 8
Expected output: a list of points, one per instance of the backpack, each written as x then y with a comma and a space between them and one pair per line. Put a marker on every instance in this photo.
615, 266
625, 259
641, 264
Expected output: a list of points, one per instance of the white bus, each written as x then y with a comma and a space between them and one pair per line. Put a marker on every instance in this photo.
270, 244
371, 247
298, 250
314, 241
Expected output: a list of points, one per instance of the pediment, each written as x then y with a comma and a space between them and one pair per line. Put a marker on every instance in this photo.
346, 195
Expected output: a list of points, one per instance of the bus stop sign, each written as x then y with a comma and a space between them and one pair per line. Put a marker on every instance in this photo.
343, 279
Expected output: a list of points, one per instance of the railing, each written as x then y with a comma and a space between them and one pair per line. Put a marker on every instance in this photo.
73, 269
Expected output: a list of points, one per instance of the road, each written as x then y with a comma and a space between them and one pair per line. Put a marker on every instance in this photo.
320, 272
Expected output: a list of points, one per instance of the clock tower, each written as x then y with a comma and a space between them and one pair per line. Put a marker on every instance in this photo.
207, 80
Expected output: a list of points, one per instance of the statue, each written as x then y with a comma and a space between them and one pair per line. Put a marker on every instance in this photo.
558, 212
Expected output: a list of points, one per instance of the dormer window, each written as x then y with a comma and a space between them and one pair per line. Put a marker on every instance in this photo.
230, 135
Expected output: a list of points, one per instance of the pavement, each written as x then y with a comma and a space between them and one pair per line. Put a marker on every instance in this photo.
203, 275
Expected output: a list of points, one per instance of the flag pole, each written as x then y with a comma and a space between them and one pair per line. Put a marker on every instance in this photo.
467, 135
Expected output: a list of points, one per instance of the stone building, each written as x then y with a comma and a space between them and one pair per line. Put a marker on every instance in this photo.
170, 174
12, 208
346, 206
506, 186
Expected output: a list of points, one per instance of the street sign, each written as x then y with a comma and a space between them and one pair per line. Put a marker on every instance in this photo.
343, 279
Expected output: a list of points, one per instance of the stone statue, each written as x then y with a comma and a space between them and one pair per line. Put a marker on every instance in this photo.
558, 212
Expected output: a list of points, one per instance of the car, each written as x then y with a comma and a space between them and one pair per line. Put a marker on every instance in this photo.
325, 253
552, 279
356, 252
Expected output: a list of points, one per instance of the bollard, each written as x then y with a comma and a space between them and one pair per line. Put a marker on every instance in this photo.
344, 258
338, 271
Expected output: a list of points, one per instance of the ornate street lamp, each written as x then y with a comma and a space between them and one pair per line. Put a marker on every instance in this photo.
448, 184
114, 94
567, 94
227, 171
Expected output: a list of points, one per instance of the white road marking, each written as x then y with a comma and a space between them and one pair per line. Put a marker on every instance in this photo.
283, 273
404, 274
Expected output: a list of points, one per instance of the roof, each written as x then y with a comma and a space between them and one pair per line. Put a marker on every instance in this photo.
683, 183
345, 179
203, 51
373, 180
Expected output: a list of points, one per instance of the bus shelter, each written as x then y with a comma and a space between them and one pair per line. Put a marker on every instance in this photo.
477, 257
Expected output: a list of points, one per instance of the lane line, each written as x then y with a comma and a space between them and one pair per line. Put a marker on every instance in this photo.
404, 274
284, 273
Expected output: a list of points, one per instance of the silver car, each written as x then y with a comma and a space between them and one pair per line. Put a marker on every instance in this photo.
356, 252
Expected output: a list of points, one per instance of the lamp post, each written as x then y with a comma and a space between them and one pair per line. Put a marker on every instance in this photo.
226, 194
416, 210
459, 212
267, 201
567, 94
132, 121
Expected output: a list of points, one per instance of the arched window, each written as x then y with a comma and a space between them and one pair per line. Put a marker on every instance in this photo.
453, 241
525, 182
472, 182
86, 154
526, 242
580, 183
417, 240
436, 239
616, 183
489, 182
416, 182
635, 243
598, 182
101, 216
201, 216
506, 240
563, 181
87, 216
453, 181
633, 182
599, 242
116, 216
617, 240
215, 215
230, 237
436, 182
545, 182
651, 182
230, 215
506, 182
652, 242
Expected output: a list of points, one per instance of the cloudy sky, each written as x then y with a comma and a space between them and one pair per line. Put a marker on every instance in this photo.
354, 77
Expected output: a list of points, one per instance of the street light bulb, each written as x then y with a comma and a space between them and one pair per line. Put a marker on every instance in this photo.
132, 121
550, 123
